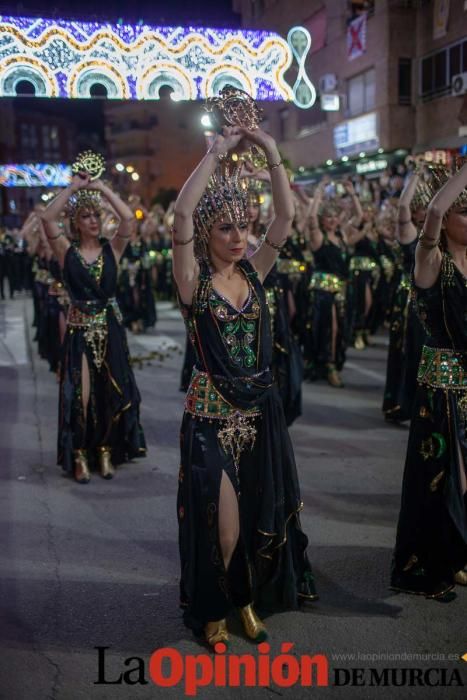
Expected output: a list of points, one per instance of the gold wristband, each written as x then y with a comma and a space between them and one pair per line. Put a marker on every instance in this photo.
424, 244
176, 241
271, 166
276, 246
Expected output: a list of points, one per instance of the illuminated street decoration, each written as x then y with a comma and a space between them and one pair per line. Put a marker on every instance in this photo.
304, 93
62, 58
35, 175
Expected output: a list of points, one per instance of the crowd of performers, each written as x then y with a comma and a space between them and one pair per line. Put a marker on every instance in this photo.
274, 284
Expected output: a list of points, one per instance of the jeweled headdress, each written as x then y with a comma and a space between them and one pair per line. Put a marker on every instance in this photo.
438, 176
83, 199
94, 165
226, 193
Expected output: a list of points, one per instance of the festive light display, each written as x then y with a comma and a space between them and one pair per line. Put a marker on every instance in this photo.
304, 93
35, 175
63, 58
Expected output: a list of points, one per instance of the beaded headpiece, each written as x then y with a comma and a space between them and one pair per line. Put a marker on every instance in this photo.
439, 175
226, 194
330, 208
83, 199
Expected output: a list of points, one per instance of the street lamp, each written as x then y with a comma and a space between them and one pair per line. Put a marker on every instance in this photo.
206, 121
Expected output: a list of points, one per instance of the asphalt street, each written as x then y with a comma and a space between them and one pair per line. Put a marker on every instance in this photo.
97, 565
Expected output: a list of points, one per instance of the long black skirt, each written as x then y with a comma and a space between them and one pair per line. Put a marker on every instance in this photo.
431, 544
317, 349
113, 410
406, 338
273, 580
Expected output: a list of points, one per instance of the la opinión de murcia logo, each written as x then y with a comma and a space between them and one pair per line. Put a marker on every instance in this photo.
167, 668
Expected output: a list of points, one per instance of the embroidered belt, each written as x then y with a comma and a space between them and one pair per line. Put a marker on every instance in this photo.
291, 267
388, 267
443, 369
43, 276
237, 431
362, 264
328, 282
204, 401
404, 282
92, 317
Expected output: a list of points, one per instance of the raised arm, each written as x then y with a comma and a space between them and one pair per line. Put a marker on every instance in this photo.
428, 254
185, 267
315, 234
406, 231
280, 227
120, 240
51, 217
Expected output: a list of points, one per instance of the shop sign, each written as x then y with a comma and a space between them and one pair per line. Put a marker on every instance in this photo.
371, 166
355, 135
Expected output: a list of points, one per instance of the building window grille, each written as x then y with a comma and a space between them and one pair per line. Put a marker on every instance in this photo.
437, 70
361, 93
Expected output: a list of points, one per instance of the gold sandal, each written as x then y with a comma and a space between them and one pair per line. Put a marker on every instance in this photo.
254, 628
216, 632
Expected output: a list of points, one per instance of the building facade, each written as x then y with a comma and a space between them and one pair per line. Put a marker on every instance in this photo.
157, 143
389, 64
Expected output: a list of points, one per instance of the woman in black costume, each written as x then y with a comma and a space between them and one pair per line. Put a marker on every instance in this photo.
431, 546
406, 335
238, 502
287, 363
330, 310
99, 400
135, 291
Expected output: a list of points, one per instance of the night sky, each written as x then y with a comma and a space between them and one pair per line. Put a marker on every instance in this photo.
207, 12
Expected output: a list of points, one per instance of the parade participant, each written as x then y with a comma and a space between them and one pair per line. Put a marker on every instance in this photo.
6, 263
240, 538
287, 364
99, 399
431, 547
364, 277
406, 335
387, 255
135, 294
329, 313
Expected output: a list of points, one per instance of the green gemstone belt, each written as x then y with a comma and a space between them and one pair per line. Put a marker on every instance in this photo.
204, 401
328, 282
443, 369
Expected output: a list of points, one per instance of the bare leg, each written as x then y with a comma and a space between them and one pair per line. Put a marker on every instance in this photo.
85, 386
334, 333
229, 523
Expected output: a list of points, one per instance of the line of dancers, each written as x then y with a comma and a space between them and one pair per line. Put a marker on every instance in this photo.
265, 305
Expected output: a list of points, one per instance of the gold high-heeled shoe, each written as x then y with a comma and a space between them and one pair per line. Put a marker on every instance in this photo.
81, 471
216, 631
107, 468
461, 577
252, 625
333, 377
359, 343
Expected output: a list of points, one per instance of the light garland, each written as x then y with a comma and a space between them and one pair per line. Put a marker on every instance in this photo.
35, 175
66, 58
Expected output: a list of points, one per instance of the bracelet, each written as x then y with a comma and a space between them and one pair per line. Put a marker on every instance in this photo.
54, 238
271, 166
119, 235
220, 156
403, 223
427, 246
276, 246
175, 241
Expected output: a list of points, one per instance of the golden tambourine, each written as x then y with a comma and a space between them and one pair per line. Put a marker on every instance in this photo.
89, 162
234, 107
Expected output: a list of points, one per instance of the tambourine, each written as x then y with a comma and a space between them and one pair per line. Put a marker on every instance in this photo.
89, 162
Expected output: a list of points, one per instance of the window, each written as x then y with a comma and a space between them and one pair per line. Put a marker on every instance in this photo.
405, 81
438, 69
361, 93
